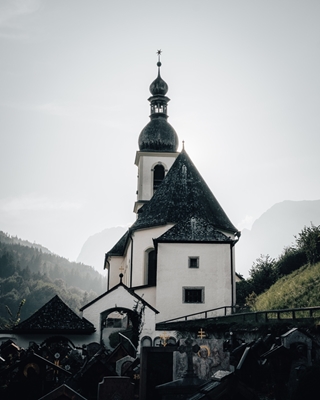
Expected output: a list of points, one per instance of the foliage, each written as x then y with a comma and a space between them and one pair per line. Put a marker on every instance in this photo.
244, 288
30, 274
266, 271
308, 240
114, 338
299, 289
290, 260
263, 273
14, 320
251, 301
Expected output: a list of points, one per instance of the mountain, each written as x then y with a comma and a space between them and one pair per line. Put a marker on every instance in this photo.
27, 272
274, 230
5, 238
96, 246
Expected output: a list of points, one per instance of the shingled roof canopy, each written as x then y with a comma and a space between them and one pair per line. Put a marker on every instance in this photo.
183, 194
194, 229
55, 317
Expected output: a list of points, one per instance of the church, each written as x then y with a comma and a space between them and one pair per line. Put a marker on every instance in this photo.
178, 257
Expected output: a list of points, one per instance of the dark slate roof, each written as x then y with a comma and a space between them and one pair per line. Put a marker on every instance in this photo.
119, 248
55, 317
182, 194
194, 229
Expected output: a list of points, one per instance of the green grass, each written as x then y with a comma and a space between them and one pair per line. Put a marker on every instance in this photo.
299, 289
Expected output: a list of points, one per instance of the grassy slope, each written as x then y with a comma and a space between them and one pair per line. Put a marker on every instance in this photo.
299, 289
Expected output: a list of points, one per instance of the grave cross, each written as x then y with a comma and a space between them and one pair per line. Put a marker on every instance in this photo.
201, 334
189, 349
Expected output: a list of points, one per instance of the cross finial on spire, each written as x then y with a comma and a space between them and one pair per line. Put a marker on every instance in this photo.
159, 55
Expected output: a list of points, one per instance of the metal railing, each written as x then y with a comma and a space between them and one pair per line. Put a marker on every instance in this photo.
256, 316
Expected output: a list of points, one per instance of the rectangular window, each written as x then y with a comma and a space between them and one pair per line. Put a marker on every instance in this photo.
193, 262
193, 295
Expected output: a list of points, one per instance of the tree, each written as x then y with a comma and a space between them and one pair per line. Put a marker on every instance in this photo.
263, 274
308, 240
14, 320
290, 260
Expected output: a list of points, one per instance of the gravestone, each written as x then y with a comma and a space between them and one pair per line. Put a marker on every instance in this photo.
155, 369
123, 363
115, 388
209, 358
182, 388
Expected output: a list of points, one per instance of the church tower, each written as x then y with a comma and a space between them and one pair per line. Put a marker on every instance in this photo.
182, 241
158, 143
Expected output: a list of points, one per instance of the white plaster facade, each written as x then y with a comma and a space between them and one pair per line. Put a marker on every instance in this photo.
118, 298
146, 161
214, 276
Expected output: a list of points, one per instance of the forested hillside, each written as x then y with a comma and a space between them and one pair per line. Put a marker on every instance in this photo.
290, 281
299, 289
34, 275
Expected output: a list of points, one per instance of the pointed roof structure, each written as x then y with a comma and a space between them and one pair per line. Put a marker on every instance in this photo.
183, 198
125, 287
193, 229
158, 134
55, 317
183, 194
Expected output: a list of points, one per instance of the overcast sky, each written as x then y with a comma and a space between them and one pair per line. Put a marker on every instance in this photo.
244, 84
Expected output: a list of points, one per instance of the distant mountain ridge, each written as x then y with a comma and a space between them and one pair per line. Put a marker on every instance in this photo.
270, 233
8, 239
28, 272
274, 230
96, 246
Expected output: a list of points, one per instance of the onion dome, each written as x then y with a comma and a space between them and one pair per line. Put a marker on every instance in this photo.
158, 86
158, 134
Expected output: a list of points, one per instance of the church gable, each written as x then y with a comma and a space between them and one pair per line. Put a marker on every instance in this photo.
120, 295
182, 194
194, 229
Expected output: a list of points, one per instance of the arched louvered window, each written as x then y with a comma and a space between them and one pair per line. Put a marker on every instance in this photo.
158, 175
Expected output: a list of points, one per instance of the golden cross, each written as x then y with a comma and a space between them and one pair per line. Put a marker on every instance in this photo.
201, 334
164, 338
121, 268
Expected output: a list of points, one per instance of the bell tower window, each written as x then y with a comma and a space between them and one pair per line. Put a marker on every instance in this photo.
152, 268
158, 175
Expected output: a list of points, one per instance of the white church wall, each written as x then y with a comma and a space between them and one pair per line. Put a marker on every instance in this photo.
142, 241
213, 276
145, 162
119, 298
148, 294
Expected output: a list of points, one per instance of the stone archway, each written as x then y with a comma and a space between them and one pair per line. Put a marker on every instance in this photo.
117, 324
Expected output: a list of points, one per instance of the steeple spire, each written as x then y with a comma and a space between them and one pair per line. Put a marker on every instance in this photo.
158, 135
159, 62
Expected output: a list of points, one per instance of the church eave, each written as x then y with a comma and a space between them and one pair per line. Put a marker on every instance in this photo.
131, 291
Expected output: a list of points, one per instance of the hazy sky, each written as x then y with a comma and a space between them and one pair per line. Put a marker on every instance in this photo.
244, 83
